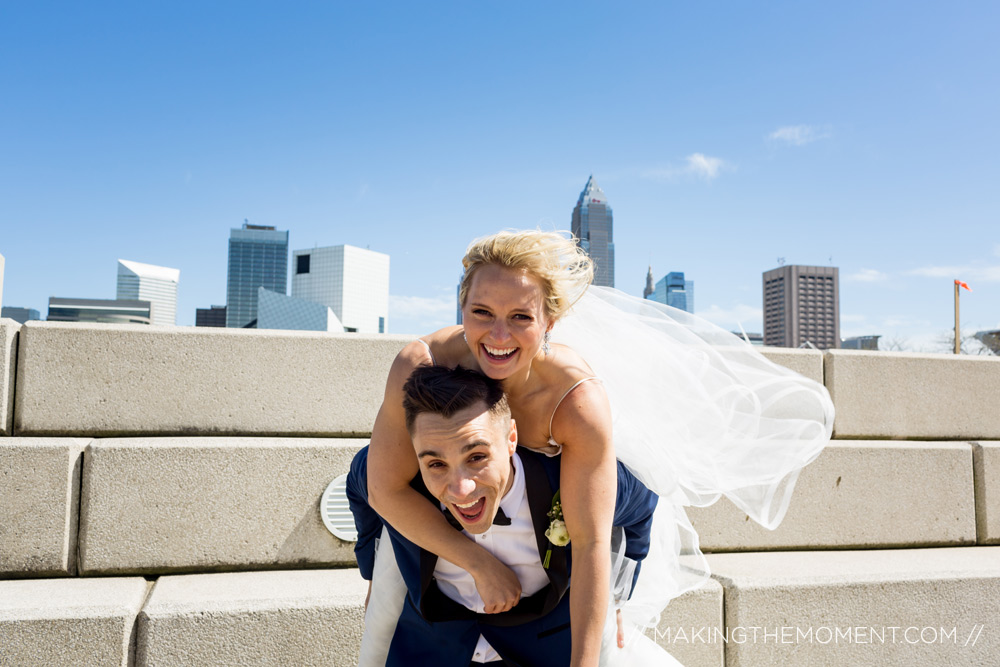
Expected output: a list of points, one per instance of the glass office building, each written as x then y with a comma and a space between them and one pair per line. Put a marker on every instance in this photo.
210, 317
20, 315
156, 284
258, 257
860, 343
592, 226
353, 282
673, 290
279, 311
105, 311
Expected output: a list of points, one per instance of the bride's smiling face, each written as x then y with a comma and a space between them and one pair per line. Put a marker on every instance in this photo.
505, 320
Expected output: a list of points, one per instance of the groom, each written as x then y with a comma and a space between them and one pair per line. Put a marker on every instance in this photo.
465, 442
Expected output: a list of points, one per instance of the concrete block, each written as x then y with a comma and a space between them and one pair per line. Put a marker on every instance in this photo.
858, 494
116, 380
804, 362
8, 372
306, 618
986, 457
69, 621
899, 396
892, 607
206, 504
39, 506
687, 623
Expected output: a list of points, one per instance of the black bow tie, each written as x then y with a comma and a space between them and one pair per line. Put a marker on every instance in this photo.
500, 519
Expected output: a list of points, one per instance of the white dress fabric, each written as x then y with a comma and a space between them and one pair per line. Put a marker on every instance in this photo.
697, 414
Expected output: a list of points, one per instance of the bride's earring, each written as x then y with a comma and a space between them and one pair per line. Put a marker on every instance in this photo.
465, 338
545, 343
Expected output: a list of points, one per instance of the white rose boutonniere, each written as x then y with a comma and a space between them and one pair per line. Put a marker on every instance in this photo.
556, 532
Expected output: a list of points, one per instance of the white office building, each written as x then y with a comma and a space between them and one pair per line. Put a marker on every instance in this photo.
156, 284
354, 282
280, 311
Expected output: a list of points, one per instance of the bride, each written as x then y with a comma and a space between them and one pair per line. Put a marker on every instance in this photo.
595, 375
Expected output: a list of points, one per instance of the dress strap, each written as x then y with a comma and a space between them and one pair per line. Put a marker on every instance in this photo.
575, 385
429, 353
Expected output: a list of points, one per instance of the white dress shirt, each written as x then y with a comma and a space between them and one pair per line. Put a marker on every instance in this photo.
514, 545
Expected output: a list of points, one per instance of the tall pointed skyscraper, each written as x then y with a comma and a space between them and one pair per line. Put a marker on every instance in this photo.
592, 225
649, 284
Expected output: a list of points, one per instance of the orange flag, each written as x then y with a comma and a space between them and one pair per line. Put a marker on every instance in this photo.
961, 284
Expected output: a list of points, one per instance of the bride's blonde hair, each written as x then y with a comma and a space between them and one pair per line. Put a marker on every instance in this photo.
554, 258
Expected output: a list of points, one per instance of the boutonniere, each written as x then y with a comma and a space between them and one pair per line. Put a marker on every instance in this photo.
556, 532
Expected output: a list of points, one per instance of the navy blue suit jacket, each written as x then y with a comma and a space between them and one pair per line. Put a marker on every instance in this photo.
435, 630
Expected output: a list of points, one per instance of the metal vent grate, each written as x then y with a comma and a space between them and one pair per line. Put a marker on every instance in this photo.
336, 512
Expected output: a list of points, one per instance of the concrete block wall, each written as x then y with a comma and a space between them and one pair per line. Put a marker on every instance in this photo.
69, 621
832, 607
158, 505
123, 380
986, 457
8, 362
902, 396
195, 460
862, 494
39, 506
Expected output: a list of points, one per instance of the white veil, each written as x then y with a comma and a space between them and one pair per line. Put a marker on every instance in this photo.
698, 414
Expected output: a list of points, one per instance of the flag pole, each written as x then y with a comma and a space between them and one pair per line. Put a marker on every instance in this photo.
957, 339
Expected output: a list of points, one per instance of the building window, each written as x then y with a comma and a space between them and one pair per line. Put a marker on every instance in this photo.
301, 264
381, 325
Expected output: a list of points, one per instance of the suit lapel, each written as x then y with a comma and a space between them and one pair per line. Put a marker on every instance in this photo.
540, 493
428, 560
433, 604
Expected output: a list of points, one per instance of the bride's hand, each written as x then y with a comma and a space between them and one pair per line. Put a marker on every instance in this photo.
497, 585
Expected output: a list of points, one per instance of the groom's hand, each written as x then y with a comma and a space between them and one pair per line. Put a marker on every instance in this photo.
497, 585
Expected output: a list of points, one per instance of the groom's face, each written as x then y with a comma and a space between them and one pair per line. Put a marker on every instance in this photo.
465, 462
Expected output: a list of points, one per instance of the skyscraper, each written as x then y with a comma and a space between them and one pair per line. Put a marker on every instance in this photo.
802, 305
156, 284
353, 281
258, 257
20, 315
592, 226
673, 290
106, 311
210, 317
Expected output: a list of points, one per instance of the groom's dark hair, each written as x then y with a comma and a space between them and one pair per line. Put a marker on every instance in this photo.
444, 391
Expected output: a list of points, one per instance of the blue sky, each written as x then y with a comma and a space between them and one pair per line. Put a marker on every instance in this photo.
725, 135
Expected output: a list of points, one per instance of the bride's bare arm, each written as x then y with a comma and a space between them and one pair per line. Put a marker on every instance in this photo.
588, 488
392, 463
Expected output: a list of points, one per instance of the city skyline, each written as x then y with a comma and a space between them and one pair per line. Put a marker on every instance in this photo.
725, 140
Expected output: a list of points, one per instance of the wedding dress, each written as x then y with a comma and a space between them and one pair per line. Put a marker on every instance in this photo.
697, 414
